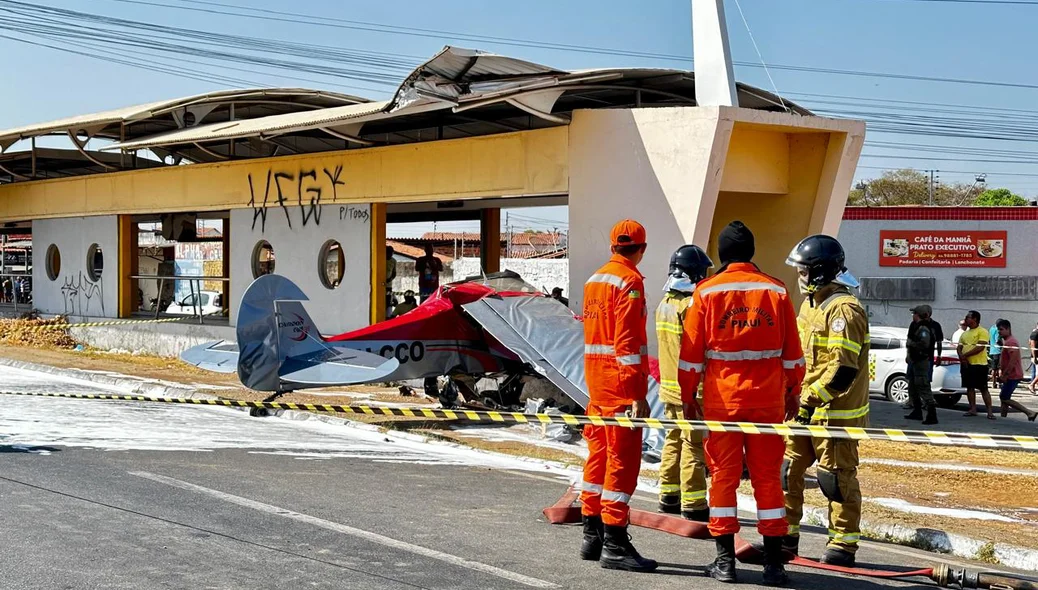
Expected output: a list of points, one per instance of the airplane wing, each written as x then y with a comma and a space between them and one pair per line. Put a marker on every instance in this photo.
335, 366
220, 356
543, 333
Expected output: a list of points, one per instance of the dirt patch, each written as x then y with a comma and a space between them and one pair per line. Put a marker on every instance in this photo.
953, 489
920, 453
34, 332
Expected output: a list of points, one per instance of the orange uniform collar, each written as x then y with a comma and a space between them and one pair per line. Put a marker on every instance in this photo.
627, 263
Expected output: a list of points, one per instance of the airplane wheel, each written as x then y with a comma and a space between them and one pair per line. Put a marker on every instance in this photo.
258, 412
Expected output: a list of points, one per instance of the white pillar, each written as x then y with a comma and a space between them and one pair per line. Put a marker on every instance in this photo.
715, 76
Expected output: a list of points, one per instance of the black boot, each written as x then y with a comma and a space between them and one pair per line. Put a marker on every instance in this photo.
670, 504
774, 560
619, 554
723, 568
931, 416
701, 515
790, 544
591, 547
917, 414
834, 556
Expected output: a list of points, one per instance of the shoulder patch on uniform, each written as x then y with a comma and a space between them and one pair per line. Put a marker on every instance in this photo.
838, 325
634, 294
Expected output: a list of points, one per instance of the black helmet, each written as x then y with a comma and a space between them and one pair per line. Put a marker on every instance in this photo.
690, 260
823, 257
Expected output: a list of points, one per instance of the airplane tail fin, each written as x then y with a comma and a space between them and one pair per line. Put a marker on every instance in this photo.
265, 335
280, 348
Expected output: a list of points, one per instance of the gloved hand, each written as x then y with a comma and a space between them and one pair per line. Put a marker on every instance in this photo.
804, 415
691, 411
792, 406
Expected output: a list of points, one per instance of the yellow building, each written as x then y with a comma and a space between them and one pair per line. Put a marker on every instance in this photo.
306, 181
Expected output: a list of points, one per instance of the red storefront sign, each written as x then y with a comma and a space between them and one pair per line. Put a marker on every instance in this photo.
942, 248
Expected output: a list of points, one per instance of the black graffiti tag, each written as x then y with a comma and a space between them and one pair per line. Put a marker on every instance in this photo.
315, 198
309, 190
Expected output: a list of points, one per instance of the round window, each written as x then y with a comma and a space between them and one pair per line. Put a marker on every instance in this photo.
53, 262
331, 264
95, 262
262, 259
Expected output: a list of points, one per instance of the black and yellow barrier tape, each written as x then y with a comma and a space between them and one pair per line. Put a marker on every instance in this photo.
958, 439
41, 327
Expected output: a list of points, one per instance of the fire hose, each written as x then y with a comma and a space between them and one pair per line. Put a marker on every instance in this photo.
565, 512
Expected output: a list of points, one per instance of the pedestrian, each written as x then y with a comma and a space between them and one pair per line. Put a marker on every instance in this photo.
834, 327
428, 268
994, 350
556, 294
973, 357
616, 370
740, 339
682, 464
1011, 372
1033, 344
958, 333
920, 357
408, 304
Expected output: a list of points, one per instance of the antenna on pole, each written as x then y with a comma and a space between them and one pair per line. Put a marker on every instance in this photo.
715, 74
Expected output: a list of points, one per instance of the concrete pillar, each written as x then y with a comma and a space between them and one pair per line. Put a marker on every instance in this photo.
715, 76
378, 262
685, 173
127, 265
490, 240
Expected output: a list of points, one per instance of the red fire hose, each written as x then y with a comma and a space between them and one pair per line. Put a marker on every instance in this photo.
565, 512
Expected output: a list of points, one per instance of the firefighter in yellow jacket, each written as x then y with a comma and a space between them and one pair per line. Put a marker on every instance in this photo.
682, 467
834, 332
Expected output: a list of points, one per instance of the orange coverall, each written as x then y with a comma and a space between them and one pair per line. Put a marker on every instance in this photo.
616, 370
741, 339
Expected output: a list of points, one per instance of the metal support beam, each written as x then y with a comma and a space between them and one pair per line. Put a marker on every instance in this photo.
14, 175
347, 137
82, 150
208, 151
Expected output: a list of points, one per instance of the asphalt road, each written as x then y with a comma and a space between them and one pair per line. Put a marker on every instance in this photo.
118, 495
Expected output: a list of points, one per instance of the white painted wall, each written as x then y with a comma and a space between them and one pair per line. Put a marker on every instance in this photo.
652, 165
73, 292
546, 274
296, 251
860, 239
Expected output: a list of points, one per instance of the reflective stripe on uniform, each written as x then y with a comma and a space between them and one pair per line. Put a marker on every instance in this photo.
724, 512
846, 538
599, 349
794, 530
669, 327
826, 413
687, 366
670, 384
772, 514
819, 390
844, 343
629, 360
741, 287
591, 488
611, 496
743, 355
690, 497
669, 488
609, 279
793, 364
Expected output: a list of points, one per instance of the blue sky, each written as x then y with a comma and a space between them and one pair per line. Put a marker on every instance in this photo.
987, 42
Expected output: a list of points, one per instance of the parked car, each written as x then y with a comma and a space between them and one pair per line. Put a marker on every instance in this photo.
887, 368
210, 302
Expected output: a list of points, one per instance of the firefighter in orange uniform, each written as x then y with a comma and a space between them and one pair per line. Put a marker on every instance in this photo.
741, 340
616, 369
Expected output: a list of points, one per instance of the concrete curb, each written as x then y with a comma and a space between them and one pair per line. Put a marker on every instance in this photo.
937, 541
928, 539
137, 386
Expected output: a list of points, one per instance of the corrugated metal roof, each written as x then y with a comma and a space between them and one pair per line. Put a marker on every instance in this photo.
93, 121
261, 127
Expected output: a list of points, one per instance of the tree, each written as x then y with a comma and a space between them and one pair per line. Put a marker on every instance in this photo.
999, 197
906, 187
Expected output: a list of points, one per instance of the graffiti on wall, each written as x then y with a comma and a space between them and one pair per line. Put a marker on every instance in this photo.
304, 188
82, 296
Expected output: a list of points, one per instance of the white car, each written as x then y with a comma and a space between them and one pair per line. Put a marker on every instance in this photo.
210, 302
887, 368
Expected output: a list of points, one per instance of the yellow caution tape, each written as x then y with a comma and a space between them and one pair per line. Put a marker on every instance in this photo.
956, 439
108, 323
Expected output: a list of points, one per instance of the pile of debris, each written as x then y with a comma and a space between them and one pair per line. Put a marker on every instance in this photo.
32, 331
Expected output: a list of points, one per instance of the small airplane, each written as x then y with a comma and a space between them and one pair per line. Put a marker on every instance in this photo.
493, 326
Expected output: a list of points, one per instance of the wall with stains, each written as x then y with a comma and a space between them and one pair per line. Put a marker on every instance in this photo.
73, 292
